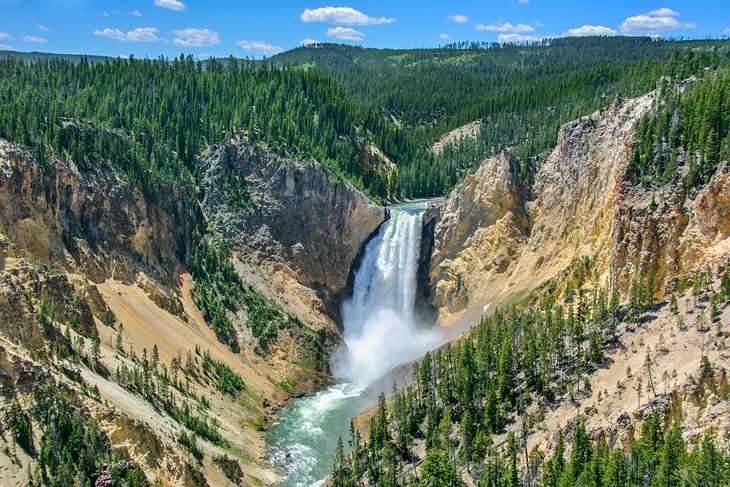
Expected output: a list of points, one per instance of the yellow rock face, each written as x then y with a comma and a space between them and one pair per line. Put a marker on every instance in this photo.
496, 240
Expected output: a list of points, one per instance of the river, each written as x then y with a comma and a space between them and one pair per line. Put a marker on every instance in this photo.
380, 330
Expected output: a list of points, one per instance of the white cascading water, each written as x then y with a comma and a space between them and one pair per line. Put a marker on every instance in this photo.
381, 331
380, 324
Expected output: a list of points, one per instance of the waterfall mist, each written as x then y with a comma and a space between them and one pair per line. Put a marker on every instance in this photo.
381, 328
381, 331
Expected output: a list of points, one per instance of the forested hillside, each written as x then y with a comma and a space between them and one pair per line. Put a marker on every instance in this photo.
687, 135
152, 117
466, 417
520, 93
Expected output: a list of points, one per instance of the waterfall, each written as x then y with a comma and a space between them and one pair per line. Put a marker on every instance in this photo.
381, 329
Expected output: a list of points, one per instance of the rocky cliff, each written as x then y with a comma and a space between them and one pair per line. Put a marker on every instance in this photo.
496, 240
93, 222
296, 220
94, 289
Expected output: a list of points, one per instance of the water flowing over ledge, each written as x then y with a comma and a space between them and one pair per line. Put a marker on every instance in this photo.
381, 331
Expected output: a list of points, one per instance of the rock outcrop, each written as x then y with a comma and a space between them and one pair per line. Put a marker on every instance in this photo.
673, 233
295, 216
93, 222
496, 240
482, 228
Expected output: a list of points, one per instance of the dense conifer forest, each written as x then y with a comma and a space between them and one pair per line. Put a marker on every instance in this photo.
153, 117
521, 93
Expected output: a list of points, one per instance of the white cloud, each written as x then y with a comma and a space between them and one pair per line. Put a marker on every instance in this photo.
5, 47
136, 13
726, 31
591, 30
140, 34
654, 22
345, 34
5, 36
259, 47
444, 36
171, 4
664, 12
523, 2
196, 38
308, 42
457, 18
111, 34
517, 38
42, 28
34, 39
506, 27
342, 15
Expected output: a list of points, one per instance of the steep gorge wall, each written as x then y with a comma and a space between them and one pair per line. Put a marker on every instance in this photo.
85, 256
295, 217
496, 240
94, 223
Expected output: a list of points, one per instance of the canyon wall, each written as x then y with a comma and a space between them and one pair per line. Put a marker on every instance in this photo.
91, 267
497, 239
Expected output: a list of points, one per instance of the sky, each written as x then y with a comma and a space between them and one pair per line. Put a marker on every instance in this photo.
247, 28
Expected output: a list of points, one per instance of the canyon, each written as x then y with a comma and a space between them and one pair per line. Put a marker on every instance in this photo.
89, 250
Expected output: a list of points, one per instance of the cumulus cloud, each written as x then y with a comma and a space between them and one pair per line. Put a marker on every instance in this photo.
726, 31
42, 28
513, 38
35, 39
195, 37
591, 30
506, 27
345, 34
664, 12
523, 2
259, 47
111, 34
654, 22
444, 36
457, 18
342, 15
140, 34
171, 4
136, 13
308, 42
5, 47
5, 36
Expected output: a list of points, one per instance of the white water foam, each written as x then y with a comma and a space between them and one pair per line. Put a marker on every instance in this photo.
381, 331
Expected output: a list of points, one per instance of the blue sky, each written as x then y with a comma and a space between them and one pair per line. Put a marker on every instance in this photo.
264, 27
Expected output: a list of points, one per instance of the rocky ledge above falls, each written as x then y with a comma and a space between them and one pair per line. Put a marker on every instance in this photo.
290, 213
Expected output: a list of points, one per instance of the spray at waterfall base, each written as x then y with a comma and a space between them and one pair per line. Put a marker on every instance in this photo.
381, 331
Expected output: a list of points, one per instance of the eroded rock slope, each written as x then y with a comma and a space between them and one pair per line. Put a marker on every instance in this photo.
496, 239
